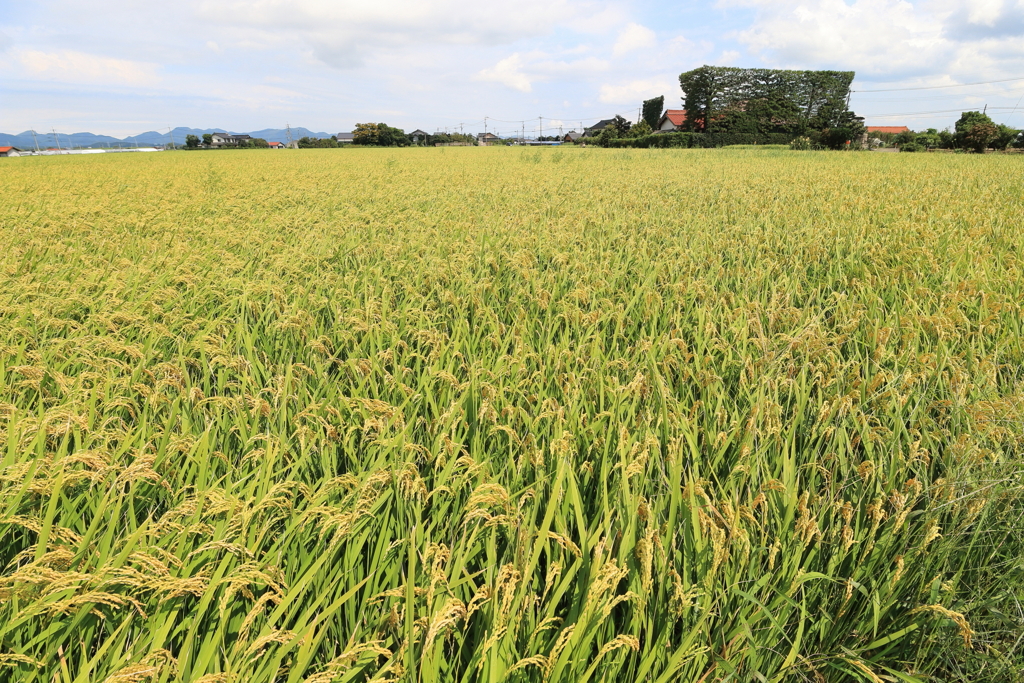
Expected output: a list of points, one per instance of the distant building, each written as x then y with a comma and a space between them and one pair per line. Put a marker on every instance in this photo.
892, 130
487, 138
10, 152
671, 120
345, 138
597, 127
418, 136
228, 140
572, 136
276, 145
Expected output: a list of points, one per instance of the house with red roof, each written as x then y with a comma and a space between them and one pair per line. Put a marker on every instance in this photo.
895, 130
276, 145
672, 119
10, 152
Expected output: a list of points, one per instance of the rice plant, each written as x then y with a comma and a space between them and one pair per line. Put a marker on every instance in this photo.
504, 415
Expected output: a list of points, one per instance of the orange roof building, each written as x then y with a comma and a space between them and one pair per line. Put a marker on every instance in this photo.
672, 119
895, 130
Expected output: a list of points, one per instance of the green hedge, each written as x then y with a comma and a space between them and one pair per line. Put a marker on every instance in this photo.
701, 140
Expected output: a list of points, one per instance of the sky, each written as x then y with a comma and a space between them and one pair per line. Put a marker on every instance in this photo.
121, 67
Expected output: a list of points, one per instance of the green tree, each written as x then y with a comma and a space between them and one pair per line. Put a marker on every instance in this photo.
207, 139
1005, 136
365, 134
259, 143
968, 138
640, 130
191, 141
905, 138
837, 138
391, 137
980, 136
620, 127
317, 143
929, 139
717, 97
652, 110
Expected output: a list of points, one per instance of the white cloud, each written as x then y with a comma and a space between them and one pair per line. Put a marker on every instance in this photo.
634, 37
520, 71
342, 33
973, 39
508, 72
68, 66
634, 92
873, 35
984, 12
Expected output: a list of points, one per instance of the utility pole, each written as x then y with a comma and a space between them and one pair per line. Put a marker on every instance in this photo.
541, 133
985, 110
35, 140
171, 134
640, 108
485, 126
288, 133
522, 135
461, 132
56, 139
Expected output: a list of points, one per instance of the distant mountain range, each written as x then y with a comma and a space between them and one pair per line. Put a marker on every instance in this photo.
73, 140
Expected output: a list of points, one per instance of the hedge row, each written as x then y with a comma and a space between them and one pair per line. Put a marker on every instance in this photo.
690, 140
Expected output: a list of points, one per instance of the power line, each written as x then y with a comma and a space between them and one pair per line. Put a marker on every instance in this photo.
922, 113
936, 87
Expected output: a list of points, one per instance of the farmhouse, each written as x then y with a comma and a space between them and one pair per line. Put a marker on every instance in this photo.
894, 130
484, 139
418, 136
228, 140
671, 120
571, 136
597, 127
10, 152
276, 145
345, 138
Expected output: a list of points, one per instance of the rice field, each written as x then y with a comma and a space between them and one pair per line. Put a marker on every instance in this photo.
511, 415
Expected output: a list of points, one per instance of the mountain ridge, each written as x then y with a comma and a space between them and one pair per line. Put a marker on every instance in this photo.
24, 140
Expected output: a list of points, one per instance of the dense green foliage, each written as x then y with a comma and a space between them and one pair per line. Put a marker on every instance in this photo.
317, 143
566, 415
652, 110
693, 140
379, 135
766, 101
